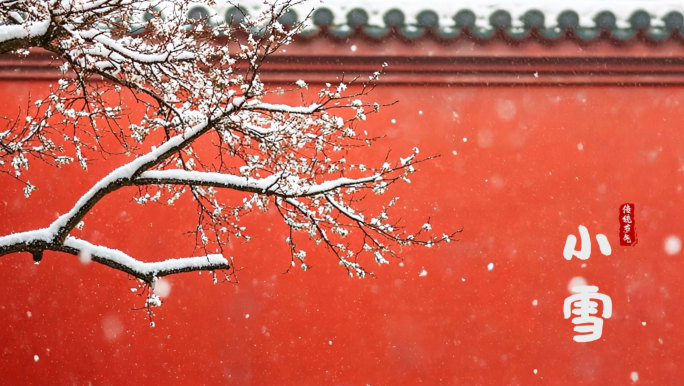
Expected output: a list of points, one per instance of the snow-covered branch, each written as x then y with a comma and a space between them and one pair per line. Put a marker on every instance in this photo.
176, 107
284, 108
146, 271
276, 184
40, 240
123, 176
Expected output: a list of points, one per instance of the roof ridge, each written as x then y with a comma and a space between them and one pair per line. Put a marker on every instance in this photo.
465, 22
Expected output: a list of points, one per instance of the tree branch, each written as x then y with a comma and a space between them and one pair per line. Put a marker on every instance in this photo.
269, 185
123, 175
40, 240
146, 271
177, 77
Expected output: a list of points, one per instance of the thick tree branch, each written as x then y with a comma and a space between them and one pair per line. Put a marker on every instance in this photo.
146, 271
124, 175
37, 241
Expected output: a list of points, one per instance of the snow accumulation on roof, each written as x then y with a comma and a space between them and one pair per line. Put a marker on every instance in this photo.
376, 10
551, 19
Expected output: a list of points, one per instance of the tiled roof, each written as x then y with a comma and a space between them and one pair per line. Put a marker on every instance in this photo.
501, 24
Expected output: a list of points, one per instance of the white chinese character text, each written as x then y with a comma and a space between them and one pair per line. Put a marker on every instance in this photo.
585, 249
584, 304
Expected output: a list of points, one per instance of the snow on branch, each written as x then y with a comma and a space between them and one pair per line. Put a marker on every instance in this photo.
284, 108
117, 50
122, 176
41, 240
175, 106
143, 270
275, 184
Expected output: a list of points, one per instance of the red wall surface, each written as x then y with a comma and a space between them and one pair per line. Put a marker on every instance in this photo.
520, 169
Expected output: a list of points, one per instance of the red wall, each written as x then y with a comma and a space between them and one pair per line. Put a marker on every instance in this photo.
538, 162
